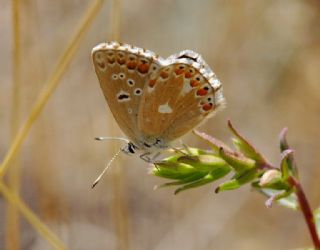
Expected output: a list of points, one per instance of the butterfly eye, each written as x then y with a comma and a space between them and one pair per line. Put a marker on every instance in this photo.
137, 91
130, 82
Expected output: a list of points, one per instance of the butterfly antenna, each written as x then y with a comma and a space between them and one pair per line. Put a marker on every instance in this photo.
111, 138
105, 169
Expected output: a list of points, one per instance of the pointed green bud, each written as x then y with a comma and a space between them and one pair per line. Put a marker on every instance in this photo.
245, 147
285, 163
238, 162
244, 178
284, 146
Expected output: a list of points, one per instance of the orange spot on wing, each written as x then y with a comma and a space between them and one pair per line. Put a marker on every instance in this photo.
202, 92
143, 68
131, 65
102, 65
121, 61
194, 83
207, 106
164, 74
152, 82
111, 60
179, 71
188, 74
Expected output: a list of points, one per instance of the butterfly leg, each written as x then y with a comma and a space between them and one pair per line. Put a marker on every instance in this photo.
146, 157
156, 155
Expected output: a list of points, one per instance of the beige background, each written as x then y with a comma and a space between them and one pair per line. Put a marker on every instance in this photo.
266, 54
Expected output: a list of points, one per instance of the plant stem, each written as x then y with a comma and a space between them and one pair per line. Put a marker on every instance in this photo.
306, 210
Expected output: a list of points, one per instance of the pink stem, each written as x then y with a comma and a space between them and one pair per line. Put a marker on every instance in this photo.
306, 210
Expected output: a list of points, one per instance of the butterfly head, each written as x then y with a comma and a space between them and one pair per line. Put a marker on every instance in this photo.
129, 149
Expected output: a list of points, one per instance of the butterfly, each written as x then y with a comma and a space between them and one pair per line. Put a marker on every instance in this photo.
154, 100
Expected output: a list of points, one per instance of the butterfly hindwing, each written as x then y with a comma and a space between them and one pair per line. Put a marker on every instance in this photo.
177, 99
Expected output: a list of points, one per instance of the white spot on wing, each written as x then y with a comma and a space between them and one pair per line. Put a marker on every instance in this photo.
165, 109
186, 87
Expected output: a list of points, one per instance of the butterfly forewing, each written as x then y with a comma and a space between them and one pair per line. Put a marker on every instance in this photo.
122, 75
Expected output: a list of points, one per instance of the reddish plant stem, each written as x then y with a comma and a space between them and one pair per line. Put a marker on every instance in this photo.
306, 210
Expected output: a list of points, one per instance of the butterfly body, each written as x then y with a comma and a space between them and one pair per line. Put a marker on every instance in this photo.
155, 100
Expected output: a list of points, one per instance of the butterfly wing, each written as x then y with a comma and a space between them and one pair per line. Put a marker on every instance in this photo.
122, 71
178, 97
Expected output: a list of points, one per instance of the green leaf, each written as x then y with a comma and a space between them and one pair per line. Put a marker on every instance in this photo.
245, 147
212, 176
244, 178
316, 214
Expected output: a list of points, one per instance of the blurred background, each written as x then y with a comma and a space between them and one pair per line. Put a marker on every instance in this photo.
266, 54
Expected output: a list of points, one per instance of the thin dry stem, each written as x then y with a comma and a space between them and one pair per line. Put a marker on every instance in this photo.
42, 229
52, 83
12, 240
119, 206
42, 99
